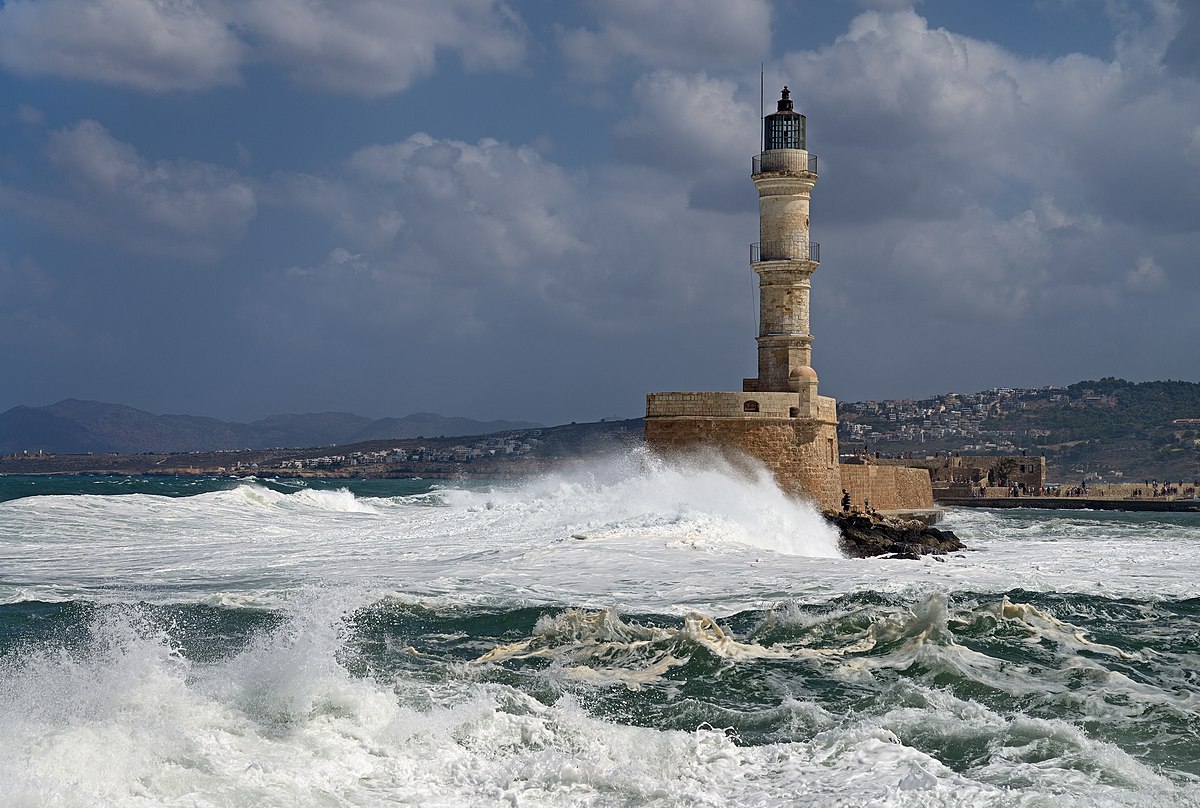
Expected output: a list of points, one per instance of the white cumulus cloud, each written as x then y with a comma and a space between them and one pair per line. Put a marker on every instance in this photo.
485, 237
151, 45
932, 143
361, 47
376, 47
687, 121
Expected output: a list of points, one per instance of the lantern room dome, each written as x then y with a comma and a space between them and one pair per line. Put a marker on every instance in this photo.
785, 128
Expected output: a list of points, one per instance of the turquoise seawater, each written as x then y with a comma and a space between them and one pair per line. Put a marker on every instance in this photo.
622, 633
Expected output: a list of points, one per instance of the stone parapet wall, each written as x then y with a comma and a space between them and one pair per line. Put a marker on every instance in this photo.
720, 405
888, 488
827, 409
800, 452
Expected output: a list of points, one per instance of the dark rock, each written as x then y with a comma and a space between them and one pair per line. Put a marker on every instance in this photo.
866, 535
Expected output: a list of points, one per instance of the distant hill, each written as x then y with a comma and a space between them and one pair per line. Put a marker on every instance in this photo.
429, 424
34, 428
309, 429
73, 426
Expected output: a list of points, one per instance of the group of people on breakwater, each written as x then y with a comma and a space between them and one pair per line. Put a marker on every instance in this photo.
1150, 489
1167, 489
1020, 489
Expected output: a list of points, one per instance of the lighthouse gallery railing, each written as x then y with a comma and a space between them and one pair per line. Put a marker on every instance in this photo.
790, 250
783, 160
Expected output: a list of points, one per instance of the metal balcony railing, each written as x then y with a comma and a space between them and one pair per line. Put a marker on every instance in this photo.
787, 161
785, 251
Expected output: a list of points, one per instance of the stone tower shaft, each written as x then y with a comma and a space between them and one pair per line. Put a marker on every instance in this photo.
784, 257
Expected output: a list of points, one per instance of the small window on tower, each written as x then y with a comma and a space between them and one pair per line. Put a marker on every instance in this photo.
750, 406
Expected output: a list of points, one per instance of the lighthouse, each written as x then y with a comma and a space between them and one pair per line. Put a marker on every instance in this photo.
784, 258
777, 420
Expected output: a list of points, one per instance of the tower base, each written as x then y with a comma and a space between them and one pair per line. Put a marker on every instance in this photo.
800, 450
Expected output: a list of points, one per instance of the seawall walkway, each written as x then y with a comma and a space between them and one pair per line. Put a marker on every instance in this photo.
1074, 503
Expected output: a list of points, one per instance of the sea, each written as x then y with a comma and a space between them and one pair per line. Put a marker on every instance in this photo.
621, 632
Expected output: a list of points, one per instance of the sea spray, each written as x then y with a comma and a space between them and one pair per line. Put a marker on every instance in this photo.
699, 499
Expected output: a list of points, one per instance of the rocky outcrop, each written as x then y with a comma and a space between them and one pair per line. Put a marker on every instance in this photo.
866, 535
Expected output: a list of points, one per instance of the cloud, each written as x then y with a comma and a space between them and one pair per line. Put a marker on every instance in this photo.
30, 115
377, 47
474, 238
1191, 148
1003, 180
482, 209
686, 121
1147, 276
27, 310
365, 47
1183, 52
175, 208
439, 231
153, 45
676, 34
888, 5
492, 271
22, 281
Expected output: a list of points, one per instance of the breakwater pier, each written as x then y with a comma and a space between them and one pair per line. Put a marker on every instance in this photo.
1075, 503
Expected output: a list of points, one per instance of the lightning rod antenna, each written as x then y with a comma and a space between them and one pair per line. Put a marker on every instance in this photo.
762, 75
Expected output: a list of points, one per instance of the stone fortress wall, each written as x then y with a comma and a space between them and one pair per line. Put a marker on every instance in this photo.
887, 488
800, 452
954, 470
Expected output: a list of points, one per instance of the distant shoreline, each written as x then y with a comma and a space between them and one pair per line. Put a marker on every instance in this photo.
500, 456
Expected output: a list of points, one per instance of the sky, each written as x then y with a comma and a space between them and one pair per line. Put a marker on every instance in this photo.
542, 210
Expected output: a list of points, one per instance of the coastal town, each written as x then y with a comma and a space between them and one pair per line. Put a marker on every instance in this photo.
492, 446
1106, 430
971, 421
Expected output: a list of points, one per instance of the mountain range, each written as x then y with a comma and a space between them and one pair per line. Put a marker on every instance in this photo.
78, 427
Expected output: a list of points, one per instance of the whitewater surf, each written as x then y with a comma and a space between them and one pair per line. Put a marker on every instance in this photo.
627, 632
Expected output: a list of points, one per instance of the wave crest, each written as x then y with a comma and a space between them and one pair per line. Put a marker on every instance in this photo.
701, 501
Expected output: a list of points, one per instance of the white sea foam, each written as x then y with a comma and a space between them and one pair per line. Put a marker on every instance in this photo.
128, 721
626, 526
630, 532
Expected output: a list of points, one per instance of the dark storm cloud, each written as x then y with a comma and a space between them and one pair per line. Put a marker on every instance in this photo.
1183, 54
176, 208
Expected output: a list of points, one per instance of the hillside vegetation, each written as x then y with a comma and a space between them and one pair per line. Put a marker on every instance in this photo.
1112, 424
